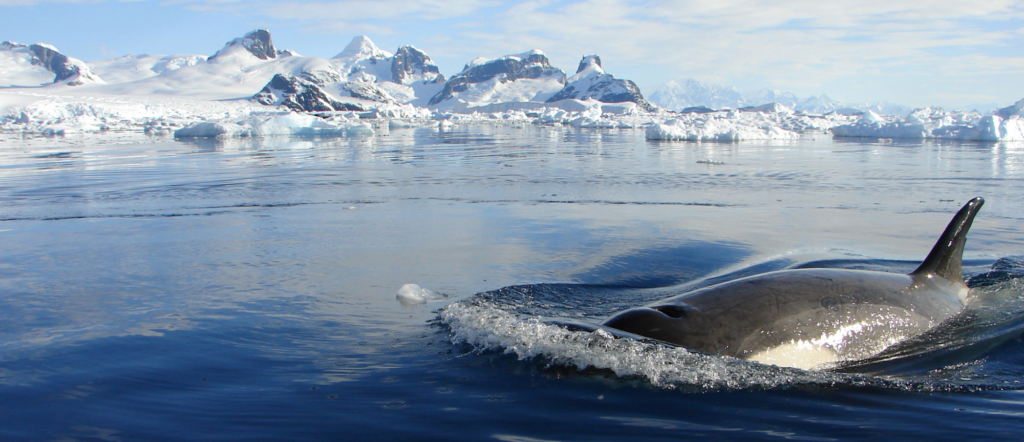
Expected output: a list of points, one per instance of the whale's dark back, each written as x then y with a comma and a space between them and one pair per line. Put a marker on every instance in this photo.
852, 313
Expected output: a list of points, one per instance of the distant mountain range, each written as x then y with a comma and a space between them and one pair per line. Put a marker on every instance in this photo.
360, 77
694, 94
363, 76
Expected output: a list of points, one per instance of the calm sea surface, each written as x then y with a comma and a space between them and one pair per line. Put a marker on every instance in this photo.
246, 290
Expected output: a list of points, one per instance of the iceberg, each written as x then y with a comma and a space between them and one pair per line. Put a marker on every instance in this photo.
772, 121
714, 129
935, 123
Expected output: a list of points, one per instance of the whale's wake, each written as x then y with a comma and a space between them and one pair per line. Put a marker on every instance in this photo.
976, 349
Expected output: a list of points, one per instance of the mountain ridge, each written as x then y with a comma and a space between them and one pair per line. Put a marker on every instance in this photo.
692, 93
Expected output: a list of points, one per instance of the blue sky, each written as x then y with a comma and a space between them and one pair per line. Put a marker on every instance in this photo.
951, 53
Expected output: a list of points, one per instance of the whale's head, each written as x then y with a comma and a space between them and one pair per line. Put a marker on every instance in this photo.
662, 322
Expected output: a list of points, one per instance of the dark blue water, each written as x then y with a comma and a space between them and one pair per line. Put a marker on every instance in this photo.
245, 290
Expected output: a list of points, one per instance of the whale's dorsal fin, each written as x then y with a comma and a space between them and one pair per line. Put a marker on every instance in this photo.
946, 256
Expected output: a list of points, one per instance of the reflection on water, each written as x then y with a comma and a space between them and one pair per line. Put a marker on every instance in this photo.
246, 288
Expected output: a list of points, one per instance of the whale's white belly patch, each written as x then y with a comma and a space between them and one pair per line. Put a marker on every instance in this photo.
799, 354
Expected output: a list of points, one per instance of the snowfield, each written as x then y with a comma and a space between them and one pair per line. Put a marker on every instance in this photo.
364, 91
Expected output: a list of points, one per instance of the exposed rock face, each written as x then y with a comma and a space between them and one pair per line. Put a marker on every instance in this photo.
322, 76
300, 95
65, 69
368, 91
411, 64
588, 61
532, 64
591, 81
257, 43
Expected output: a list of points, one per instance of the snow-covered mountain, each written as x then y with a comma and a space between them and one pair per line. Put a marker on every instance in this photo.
764, 96
884, 108
410, 65
17, 67
133, 67
361, 76
519, 77
694, 94
251, 88
592, 82
30, 65
363, 48
300, 95
256, 43
819, 104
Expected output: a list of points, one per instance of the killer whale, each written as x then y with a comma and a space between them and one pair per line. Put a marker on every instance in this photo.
812, 318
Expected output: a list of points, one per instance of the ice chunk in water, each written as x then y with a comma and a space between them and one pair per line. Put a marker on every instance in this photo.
413, 294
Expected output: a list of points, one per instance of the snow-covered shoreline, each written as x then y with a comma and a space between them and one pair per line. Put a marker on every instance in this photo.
32, 112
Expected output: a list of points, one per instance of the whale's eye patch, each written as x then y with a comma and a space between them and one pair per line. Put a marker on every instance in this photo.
830, 303
672, 311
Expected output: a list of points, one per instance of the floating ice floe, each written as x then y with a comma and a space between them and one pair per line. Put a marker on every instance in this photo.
413, 294
64, 115
934, 123
292, 123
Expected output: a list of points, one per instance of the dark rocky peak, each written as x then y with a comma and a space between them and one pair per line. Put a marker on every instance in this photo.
368, 91
258, 43
531, 64
588, 61
65, 69
592, 82
12, 46
413, 64
299, 95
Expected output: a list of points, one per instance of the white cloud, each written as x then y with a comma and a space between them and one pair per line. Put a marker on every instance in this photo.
346, 10
380, 9
795, 43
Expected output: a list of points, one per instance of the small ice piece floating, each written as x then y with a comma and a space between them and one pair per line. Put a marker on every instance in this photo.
811, 318
412, 294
